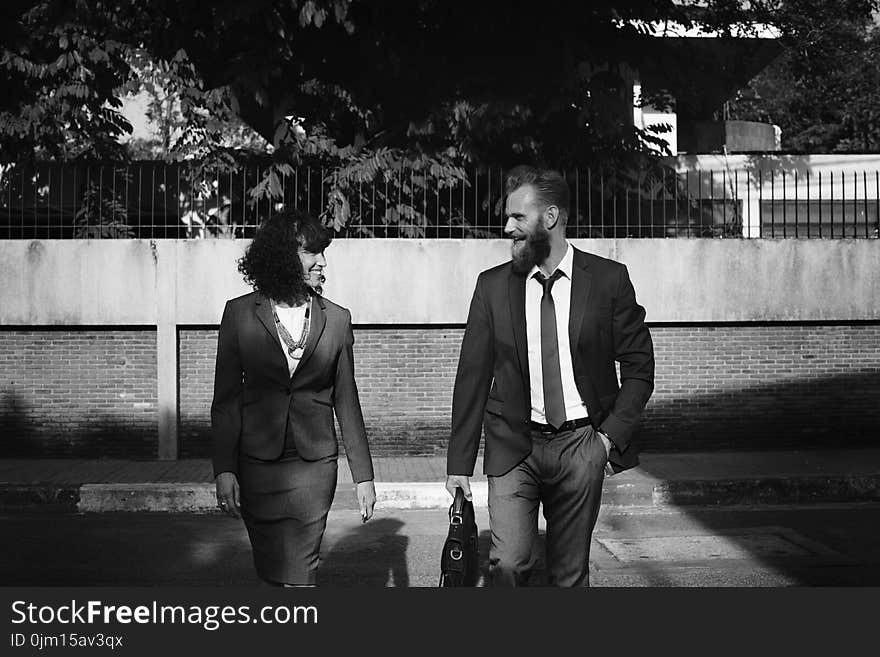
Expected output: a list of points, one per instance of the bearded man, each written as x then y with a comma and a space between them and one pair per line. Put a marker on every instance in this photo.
537, 369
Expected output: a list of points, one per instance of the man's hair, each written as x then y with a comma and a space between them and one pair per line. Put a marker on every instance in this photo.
550, 187
271, 262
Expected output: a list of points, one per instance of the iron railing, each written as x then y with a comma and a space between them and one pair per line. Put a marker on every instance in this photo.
175, 200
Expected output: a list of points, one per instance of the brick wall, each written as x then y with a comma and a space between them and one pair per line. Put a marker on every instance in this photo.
718, 387
772, 386
89, 392
404, 377
92, 392
197, 349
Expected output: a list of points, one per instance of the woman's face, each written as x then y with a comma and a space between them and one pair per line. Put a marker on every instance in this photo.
313, 267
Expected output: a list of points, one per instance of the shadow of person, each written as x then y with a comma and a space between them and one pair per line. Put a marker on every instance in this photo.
369, 555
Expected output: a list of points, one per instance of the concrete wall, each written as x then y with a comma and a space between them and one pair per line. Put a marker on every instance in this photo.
390, 282
107, 348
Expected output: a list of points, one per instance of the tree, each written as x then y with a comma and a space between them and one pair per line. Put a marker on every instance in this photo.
372, 87
359, 87
824, 90
166, 92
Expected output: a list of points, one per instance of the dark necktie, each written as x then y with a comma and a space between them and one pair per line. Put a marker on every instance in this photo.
554, 402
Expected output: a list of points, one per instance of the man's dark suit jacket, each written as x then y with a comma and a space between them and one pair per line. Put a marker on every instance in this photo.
492, 382
258, 406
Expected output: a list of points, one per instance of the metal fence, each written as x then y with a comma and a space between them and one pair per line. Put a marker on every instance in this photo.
175, 200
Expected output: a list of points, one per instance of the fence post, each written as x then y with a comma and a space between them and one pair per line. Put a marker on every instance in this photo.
165, 258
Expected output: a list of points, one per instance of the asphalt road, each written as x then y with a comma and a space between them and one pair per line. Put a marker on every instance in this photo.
730, 546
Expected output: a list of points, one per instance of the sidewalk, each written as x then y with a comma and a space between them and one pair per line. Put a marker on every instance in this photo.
674, 479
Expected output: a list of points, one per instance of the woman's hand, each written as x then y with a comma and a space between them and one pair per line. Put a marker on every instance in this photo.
366, 496
228, 493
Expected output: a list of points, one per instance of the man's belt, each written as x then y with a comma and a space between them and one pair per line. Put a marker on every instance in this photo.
568, 425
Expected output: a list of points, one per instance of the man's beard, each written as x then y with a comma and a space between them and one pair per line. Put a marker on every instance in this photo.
533, 250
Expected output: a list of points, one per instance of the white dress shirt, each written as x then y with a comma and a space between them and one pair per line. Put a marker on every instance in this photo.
561, 292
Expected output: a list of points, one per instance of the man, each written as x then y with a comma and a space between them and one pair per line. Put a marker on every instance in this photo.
537, 369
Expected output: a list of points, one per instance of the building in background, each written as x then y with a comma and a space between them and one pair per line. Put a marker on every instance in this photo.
688, 79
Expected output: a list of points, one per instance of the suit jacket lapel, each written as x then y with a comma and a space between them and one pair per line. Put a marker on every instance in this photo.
276, 360
316, 328
263, 308
580, 292
517, 297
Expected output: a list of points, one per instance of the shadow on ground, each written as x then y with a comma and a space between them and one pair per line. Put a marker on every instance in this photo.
834, 411
127, 549
370, 555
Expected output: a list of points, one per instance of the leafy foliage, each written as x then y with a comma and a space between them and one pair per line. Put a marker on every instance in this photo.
824, 90
193, 123
362, 90
63, 69
101, 215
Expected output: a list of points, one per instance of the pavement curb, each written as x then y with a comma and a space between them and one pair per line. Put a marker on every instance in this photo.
38, 497
173, 498
780, 490
201, 498
642, 492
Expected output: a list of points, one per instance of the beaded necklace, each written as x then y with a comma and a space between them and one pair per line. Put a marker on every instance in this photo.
294, 347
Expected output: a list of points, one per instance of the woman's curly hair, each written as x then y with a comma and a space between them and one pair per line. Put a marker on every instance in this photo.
271, 262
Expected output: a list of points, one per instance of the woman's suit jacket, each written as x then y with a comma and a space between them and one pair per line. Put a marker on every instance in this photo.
258, 406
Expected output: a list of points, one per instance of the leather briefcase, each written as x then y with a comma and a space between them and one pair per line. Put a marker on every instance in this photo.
459, 562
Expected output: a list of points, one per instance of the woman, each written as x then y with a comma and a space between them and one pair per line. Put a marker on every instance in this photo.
284, 364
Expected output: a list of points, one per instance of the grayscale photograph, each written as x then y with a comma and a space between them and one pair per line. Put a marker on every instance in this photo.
366, 294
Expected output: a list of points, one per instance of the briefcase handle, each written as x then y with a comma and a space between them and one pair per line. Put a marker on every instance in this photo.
456, 511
